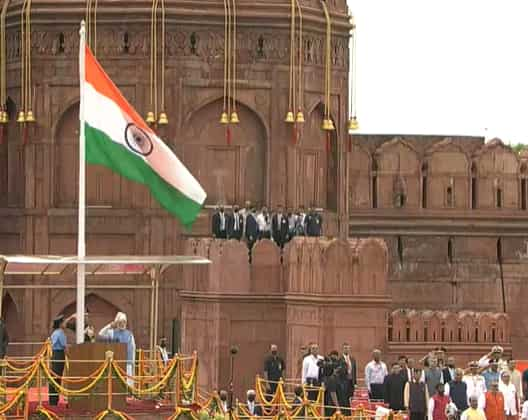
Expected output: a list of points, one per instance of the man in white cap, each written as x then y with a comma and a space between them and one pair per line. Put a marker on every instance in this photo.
117, 332
496, 353
252, 407
476, 385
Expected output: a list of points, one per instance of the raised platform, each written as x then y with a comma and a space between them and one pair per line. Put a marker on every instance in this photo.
140, 409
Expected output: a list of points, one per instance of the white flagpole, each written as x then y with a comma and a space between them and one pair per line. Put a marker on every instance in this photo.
81, 238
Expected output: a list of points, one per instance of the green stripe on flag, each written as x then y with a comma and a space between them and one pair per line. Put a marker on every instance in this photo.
101, 150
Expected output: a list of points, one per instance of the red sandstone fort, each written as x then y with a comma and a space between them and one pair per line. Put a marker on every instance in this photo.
425, 237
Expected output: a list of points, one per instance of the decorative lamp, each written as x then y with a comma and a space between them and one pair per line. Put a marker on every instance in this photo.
224, 119
4, 119
289, 117
326, 125
300, 117
332, 126
29, 117
353, 123
21, 117
163, 120
234, 118
150, 118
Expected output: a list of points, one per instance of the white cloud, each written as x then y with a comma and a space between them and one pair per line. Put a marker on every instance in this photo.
442, 67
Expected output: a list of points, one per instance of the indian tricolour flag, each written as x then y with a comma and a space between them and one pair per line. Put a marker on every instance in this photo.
118, 138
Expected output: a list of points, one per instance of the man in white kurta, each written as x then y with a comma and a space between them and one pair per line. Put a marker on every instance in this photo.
117, 332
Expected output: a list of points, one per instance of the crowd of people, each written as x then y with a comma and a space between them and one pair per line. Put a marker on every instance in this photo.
435, 388
432, 388
280, 225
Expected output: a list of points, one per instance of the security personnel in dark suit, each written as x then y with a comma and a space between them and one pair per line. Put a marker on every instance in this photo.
220, 224
314, 223
279, 227
252, 230
235, 224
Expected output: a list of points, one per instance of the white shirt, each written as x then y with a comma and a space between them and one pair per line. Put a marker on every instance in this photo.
375, 373
476, 385
291, 221
236, 221
484, 362
310, 368
164, 355
251, 407
510, 398
524, 415
222, 221
263, 225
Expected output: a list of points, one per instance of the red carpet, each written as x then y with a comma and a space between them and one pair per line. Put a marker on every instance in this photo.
133, 406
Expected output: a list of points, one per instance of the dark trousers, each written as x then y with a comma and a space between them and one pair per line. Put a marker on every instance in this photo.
236, 234
416, 416
347, 392
273, 386
312, 394
265, 234
57, 367
222, 234
377, 392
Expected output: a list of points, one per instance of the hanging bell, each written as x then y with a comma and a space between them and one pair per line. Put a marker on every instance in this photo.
326, 124
332, 126
163, 120
224, 119
4, 119
21, 117
234, 118
150, 118
29, 117
353, 123
289, 117
300, 117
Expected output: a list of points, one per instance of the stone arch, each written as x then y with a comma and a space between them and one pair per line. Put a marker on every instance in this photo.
337, 260
12, 318
450, 325
434, 328
373, 267
359, 174
398, 175
229, 173
503, 328
448, 176
498, 174
416, 326
103, 187
467, 327
485, 326
400, 323
316, 162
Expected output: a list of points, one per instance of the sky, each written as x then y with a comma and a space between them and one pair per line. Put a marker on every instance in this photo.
450, 67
